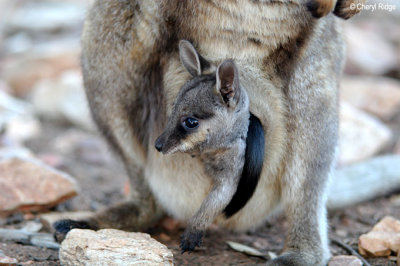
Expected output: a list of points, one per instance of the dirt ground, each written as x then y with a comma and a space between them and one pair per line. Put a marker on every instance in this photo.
102, 179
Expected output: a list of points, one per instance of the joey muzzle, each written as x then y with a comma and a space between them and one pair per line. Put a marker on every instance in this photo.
165, 142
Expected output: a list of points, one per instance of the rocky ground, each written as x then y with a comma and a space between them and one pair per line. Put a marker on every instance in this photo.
45, 124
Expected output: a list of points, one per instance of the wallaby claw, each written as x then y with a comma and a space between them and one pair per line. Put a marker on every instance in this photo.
62, 227
190, 240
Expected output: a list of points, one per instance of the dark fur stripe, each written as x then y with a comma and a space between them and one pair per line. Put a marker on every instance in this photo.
254, 158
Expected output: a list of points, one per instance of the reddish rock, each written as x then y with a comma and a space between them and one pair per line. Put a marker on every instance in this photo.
164, 237
126, 189
170, 224
383, 239
30, 186
374, 244
376, 95
345, 260
363, 56
387, 224
21, 74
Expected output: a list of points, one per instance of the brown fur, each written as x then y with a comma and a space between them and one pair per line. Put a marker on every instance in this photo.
321, 8
345, 8
291, 64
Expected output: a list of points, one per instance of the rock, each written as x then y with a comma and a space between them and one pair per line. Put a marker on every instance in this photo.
48, 219
7, 261
29, 185
376, 95
17, 122
112, 247
26, 263
374, 244
164, 237
87, 147
382, 239
13, 152
364, 181
44, 240
395, 200
396, 149
52, 159
32, 226
361, 136
63, 99
126, 189
35, 17
170, 224
22, 128
345, 260
21, 73
363, 57
18, 43
387, 224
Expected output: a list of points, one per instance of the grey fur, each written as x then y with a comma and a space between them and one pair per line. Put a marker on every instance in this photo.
221, 106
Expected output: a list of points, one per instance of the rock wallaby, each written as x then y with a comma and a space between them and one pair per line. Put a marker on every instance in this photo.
210, 119
288, 53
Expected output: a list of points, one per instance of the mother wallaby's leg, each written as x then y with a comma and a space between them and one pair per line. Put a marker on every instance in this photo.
138, 213
141, 210
312, 137
122, 78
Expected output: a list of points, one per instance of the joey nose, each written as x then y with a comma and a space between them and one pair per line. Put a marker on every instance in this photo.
158, 145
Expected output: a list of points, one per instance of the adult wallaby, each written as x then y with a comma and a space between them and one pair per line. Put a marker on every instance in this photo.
290, 62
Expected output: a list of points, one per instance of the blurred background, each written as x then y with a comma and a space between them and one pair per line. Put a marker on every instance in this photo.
44, 115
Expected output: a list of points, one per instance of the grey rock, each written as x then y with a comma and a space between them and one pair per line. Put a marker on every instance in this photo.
17, 121
364, 181
43, 240
376, 95
345, 260
63, 98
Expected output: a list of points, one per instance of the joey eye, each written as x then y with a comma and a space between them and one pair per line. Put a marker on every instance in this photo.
190, 123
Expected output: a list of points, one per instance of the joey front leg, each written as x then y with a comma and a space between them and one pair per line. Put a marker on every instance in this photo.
219, 197
225, 169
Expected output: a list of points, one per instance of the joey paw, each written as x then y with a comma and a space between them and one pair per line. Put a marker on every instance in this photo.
190, 240
298, 258
62, 227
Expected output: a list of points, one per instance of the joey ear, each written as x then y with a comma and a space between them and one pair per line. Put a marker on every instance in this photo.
194, 63
228, 82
